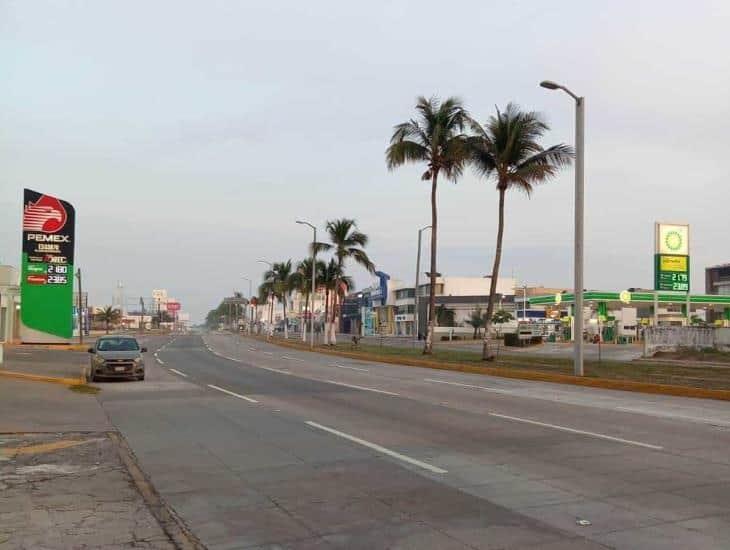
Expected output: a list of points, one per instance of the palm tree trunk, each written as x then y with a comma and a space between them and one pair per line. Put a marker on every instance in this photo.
335, 305
326, 315
303, 317
286, 328
487, 354
428, 347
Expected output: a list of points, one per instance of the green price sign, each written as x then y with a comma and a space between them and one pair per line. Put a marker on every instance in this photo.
671, 273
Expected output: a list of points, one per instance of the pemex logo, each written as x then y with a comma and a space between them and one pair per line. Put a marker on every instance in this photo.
47, 215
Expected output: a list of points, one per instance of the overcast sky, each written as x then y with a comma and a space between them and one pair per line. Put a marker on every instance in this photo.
191, 135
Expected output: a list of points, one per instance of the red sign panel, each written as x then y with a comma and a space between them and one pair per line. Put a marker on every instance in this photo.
173, 306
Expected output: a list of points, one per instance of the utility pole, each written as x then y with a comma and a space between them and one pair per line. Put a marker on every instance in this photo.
80, 315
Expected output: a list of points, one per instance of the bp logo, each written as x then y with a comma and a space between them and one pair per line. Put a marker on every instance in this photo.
673, 240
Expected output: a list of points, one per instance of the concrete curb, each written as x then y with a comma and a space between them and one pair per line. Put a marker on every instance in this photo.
59, 347
41, 378
507, 372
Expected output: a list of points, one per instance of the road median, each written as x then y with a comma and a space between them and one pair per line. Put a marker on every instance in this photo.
544, 370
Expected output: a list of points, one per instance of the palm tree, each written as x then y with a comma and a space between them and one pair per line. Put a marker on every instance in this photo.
280, 279
302, 282
108, 315
476, 320
507, 149
332, 278
437, 139
346, 242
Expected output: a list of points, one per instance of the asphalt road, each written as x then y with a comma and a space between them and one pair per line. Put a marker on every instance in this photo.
254, 445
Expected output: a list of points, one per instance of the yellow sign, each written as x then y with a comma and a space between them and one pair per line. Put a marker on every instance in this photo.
625, 296
558, 298
677, 264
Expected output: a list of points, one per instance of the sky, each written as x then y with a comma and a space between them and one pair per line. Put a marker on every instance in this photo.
191, 135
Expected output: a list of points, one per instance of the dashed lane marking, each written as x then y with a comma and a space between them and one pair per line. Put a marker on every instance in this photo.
379, 448
234, 394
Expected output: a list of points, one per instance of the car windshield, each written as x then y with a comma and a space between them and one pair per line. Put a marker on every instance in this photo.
117, 344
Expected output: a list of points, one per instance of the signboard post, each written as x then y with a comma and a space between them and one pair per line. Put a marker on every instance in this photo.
47, 269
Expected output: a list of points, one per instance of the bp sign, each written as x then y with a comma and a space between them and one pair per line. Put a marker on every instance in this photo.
47, 268
671, 257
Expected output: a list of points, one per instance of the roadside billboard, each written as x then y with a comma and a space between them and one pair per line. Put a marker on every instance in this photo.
47, 269
173, 306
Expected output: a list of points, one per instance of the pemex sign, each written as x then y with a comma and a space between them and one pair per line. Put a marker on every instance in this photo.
47, 268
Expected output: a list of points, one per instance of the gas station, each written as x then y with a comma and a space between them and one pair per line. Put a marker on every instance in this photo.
620, 316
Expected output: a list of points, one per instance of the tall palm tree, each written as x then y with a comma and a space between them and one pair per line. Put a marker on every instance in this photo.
280, 276
507, 149
436, 139
108, 315
346, 243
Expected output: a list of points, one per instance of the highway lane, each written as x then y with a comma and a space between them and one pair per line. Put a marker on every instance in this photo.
422, 453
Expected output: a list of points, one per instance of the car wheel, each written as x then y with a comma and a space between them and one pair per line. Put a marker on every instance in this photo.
140, 377
92, 376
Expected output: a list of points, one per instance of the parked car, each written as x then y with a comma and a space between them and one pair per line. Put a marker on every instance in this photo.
116, 357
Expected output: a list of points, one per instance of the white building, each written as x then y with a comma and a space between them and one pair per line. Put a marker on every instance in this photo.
9, 304
396, 314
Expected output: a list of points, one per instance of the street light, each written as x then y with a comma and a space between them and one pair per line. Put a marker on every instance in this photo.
314, 280
250, 311
578, 245
416, 326
271, 302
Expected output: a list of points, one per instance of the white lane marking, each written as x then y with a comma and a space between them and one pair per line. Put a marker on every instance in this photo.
485, 388
252, 349
234, 394
160, 361
362, 388
292, 358
155, 354
268, 353
659, 414
280, 371
378, 448
580, 432
178, 372
350, 368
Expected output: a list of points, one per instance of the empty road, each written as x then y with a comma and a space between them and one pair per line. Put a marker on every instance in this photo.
255, 445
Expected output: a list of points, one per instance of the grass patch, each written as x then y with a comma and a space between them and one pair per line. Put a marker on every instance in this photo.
84, 388
687, 354
694, 376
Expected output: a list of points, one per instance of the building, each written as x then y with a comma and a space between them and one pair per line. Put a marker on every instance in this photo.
9, 304
388, 307
717, 279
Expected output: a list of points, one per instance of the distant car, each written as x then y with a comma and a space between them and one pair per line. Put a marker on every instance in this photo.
116, 357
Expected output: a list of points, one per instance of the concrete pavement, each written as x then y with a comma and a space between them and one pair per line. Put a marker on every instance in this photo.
256, 445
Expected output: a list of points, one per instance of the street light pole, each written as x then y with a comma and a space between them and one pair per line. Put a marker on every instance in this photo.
578, 244
250, 310
271, 302
416, 326
314, 280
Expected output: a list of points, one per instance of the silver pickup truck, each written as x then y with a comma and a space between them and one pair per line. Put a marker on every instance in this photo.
116, 357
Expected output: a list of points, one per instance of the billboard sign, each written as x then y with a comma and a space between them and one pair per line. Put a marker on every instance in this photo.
173, 306
671, 257
47, 276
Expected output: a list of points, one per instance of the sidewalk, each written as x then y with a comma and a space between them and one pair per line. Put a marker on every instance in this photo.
71, 491
67, 480
45, 362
